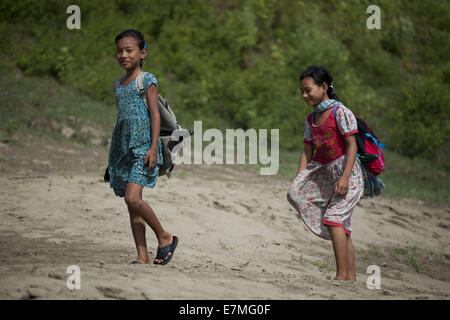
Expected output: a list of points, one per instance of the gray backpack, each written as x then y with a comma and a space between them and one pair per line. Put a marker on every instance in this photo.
171, 134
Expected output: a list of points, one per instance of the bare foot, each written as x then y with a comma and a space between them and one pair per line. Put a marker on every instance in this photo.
341, 278
140, 261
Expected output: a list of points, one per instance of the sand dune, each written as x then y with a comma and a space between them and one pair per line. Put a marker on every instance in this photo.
239, 237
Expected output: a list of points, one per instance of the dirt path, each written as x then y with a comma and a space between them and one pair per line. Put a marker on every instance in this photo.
239, 237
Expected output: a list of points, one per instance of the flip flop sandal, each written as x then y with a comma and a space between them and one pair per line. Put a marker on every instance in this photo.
163, 253
135, 262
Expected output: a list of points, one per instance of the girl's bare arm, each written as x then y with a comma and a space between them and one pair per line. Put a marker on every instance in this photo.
342, 184
152, 103
350, 158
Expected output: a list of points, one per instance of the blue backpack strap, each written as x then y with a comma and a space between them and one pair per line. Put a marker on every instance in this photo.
378, 143
334, 111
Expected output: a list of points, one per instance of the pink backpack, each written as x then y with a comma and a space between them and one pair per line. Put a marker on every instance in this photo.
370, 149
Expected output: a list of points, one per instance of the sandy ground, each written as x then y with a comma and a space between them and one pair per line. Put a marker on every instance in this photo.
239, 237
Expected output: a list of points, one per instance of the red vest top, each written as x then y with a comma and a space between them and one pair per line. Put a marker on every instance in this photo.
327, 140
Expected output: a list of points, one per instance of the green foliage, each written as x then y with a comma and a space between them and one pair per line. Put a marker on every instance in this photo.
421, 116
41, 104
398, 35
412, 254
236, 63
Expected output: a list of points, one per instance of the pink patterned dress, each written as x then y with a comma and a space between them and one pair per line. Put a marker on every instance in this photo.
312, 192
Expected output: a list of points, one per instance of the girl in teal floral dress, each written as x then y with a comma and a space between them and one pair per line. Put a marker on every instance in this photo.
135, 152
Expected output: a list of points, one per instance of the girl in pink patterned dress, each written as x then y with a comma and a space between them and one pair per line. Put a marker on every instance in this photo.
329, 180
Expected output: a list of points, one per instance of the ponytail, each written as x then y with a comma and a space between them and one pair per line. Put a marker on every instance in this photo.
331, 94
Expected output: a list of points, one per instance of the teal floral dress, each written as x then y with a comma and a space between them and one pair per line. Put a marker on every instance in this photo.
131, 140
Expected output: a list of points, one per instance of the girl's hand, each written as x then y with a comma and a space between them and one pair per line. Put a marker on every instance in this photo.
151, 158
341, 187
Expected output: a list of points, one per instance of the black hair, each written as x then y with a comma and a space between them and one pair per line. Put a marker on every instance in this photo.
134, 34
320, 75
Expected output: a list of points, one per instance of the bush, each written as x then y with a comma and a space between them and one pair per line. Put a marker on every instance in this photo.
236, 63
420, 123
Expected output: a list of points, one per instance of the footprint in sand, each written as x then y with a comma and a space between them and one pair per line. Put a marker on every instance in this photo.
109, 292
220, 206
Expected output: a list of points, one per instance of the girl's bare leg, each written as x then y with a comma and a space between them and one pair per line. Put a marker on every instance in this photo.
351, 275
339, 240
138, 229
140, 211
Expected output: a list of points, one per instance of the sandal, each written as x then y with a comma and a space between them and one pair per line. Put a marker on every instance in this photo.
163, 253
